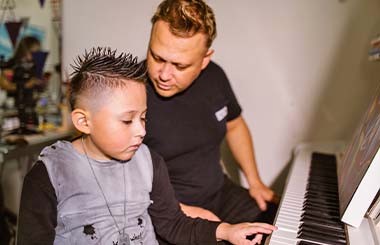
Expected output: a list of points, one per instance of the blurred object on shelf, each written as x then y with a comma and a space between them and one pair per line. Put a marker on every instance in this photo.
374, 52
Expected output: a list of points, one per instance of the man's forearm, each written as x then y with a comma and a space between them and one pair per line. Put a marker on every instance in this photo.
241, 145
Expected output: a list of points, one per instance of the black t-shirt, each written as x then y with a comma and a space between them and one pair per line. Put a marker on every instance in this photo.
187, 130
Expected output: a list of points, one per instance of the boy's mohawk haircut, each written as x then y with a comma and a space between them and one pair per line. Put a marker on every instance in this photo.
101, 68
104, 61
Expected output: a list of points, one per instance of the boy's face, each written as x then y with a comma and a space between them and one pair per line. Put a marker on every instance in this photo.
175, 62
117, 127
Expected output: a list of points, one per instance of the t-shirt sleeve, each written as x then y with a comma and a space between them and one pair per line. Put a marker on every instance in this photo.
170, 223
233, 106
38, 208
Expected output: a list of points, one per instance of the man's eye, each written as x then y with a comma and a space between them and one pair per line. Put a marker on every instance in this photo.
158, 59
181, 67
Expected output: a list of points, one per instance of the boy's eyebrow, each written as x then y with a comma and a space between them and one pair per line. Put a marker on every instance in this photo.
134, 112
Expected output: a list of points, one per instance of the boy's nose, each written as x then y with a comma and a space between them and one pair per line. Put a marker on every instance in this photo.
140, 130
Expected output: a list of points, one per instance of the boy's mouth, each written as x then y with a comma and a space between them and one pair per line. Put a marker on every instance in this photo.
134, 147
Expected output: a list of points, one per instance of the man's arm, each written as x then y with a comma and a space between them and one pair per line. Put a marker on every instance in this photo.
198, 212
38, 208
240, 143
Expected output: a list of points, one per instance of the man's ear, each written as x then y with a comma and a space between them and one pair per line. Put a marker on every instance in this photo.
80, 120
207, 58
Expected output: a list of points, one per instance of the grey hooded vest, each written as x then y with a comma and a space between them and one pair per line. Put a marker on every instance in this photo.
83, 216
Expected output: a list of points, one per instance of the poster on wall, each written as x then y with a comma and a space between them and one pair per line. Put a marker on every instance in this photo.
6, 48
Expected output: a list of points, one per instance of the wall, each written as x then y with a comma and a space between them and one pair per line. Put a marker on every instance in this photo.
299, 68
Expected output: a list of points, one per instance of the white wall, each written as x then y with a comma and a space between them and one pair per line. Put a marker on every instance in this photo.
299, 68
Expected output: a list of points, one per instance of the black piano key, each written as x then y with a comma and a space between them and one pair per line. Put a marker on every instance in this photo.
327, 232
321, 222
322, 237
321, 208
320, 205
322, 202
321, 197
307, 243
316, 188
340, 234
323, 157
319, 226
323, 215
332, 194
324, 187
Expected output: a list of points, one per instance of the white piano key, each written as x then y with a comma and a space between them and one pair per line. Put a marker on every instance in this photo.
282, 242
290, 228
284, 235
290, 210
294, 220
289, 217
273, 242
281, 228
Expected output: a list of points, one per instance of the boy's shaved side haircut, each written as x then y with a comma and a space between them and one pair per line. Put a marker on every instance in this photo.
101, 68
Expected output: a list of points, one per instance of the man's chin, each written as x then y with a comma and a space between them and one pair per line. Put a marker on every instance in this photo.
165, 93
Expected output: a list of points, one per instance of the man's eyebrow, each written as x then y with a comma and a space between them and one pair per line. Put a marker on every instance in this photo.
174, 63
154, 54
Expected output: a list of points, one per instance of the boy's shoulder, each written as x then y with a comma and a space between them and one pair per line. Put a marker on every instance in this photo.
155, 156
59, 154
59, 148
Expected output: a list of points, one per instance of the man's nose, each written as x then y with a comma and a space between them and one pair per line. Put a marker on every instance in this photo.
166, 71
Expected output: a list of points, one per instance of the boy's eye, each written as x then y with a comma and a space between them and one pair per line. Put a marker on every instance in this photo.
143, 119
127, 122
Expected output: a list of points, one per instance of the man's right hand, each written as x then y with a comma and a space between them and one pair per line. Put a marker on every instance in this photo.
198, 212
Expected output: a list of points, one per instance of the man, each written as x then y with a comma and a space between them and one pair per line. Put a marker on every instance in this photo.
191, 109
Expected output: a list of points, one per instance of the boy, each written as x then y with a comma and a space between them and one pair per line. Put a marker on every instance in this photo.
106, 187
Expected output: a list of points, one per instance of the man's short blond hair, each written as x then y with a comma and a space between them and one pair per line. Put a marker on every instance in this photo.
187, 18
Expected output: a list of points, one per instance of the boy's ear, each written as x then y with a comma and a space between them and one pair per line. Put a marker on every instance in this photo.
80, 120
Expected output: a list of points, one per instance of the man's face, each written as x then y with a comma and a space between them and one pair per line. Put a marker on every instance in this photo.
118, 126
175, 62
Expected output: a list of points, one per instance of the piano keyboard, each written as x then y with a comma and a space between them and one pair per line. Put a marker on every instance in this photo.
309, 209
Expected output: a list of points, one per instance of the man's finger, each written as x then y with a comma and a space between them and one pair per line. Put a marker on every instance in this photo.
261, 203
